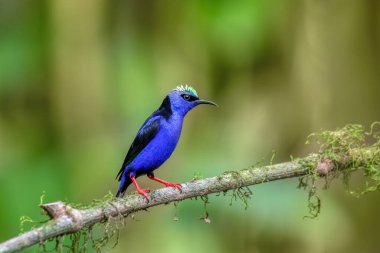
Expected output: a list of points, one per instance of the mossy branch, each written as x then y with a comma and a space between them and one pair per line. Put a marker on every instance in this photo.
65, 219
342, 151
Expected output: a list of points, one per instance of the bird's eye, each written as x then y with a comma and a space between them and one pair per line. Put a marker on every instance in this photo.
189, 97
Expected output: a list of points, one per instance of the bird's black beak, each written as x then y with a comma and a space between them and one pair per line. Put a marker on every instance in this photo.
206, 102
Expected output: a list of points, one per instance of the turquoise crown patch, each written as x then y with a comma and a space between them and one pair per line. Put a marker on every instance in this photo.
187, 88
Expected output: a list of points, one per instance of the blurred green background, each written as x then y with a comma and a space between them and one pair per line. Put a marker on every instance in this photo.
78, 78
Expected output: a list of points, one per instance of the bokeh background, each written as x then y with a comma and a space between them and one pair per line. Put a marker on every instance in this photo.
78, 78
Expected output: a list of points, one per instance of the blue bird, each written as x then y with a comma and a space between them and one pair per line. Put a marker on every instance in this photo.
157, 139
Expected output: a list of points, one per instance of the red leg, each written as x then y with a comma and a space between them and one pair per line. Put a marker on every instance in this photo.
167, 184
140, 191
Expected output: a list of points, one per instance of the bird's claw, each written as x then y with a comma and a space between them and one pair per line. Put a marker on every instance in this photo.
178, 186
143, 193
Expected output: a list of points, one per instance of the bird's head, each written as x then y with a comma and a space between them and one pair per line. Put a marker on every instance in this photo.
185, 98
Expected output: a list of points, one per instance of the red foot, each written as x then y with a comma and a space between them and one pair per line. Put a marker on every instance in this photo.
143, 192
140, 191
178, 186
167, 184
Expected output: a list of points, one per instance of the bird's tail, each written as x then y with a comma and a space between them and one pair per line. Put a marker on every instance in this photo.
125, 181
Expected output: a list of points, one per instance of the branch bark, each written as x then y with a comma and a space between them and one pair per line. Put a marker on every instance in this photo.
65, 219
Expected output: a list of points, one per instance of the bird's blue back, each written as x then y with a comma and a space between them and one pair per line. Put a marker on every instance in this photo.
161, 146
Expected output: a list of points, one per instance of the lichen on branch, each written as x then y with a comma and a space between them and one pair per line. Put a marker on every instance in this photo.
348, 150
342, 153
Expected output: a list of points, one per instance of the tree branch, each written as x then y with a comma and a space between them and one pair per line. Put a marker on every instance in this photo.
65, 219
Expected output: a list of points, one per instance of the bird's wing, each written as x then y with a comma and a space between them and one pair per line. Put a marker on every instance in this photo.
147, 132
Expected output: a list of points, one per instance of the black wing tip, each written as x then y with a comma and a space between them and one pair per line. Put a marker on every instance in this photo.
118, 176
123, 187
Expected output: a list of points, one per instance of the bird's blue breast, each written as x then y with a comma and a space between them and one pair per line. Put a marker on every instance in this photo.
160, 148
